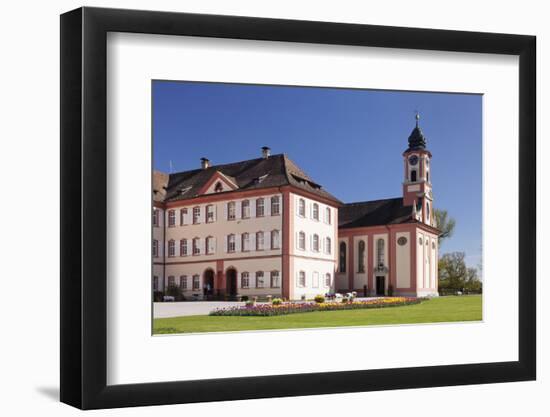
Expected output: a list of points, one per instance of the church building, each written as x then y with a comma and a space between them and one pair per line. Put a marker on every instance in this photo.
263, 227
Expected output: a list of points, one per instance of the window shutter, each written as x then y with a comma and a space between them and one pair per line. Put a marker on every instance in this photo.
296, 239
213, 245
225, 244
311, 242
186, 217
215, 207
238, 208
310, 210
269, 244
202, 214
252, 208
252, 237
201, 246
238, 241
267, 206
225, 211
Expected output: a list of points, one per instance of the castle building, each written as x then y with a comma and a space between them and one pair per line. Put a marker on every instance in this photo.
263, 227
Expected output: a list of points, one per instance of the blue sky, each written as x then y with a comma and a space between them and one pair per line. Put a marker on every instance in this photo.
350, 141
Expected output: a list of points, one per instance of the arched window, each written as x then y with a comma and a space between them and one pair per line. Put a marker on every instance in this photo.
245, 244
427, 211
380, 252
155, 248
245, 280
259, 279
327, 215
315, 211
302, 279
413, 175
275, 206
302, 241
171, 218
209, 213
183, 282
315, 243
361, 257
196, 246
183, 247
327, 280
328, 245
171, 281
302, 207
231, 210
245, 209
259, 240
196, 282
343, 257
427, 176
259, 207
275, 239
275, 279
209, 243
155, 217
231, 243
171, 248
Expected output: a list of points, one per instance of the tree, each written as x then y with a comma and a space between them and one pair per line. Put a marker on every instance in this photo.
455, 276
445, 224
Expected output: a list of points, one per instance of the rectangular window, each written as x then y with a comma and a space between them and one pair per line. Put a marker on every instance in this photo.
171, 248
302, 241
155, 248
259, 279
275, 279
245, 280
275, 206
210, 245
327, 280
155, 218
209, 213
302, 207
196, 282
231, 210
155, 283
171, 281
315, 213
260, 207
183, 213
245, 242
183, 247
328, 246
302, 279
196, 215
171, 218
183, 282
327, 215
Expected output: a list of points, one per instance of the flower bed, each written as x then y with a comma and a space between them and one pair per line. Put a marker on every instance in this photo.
292, 308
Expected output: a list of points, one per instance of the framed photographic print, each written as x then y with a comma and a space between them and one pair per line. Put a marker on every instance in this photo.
258, 208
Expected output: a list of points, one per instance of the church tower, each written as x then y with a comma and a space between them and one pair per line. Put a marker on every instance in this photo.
417, 186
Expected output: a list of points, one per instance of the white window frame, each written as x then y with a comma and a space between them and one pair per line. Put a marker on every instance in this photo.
184, 249
275, 277
315, 212
260, 240
231, 210
171, 248
260, 207
231, 244
245, 280
245, 209
302, 279
196, 215
302, 242
260, 283
275, 205
196, 246
302, 207
210, 213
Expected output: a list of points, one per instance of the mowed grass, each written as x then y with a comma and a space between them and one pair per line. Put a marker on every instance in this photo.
437, 310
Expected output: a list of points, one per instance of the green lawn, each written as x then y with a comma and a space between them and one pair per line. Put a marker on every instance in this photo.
442, 309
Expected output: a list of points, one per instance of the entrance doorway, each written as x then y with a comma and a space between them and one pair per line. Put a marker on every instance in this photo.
380, 285
231, 282
208, 284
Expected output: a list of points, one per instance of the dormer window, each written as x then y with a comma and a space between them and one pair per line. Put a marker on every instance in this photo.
219, 187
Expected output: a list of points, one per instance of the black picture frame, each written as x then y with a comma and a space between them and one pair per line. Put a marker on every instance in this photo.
84, 207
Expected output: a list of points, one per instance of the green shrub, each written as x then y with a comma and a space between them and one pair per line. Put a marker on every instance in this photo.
277, 301
175, 291
319, 299
244, 298
157, 296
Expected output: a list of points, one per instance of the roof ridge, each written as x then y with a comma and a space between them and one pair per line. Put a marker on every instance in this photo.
372, 201
226, 165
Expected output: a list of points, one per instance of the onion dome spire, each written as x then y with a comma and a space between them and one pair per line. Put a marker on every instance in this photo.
417, 140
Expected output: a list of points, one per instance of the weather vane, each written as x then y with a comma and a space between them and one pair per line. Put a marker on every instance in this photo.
417, 117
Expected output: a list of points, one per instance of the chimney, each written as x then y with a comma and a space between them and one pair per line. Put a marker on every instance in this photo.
205, 163
266, 151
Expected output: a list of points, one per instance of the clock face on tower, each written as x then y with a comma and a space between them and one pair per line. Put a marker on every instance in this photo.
413, 160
